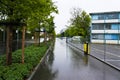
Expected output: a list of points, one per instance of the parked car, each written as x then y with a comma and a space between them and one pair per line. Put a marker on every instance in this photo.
76, 38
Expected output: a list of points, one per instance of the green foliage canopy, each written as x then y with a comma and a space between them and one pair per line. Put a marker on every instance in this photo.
30, 12
79, 25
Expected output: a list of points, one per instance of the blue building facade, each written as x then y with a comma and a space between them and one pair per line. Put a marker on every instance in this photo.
105, 27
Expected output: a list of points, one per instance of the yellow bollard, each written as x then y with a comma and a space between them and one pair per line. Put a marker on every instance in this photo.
86, 48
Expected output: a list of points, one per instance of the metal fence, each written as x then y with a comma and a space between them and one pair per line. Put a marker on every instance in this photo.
108, 53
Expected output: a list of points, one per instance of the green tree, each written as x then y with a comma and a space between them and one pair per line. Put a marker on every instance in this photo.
72, 31
23, 13
81, 20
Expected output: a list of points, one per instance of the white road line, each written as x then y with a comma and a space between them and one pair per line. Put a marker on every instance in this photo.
115, 46
106, 52
111, 60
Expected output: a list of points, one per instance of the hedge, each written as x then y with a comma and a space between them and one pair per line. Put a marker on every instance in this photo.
17, 70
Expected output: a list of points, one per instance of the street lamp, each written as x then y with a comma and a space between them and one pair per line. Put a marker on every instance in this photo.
3, 31
17, 37
40, 24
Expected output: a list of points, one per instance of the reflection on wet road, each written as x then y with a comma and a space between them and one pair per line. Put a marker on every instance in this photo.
67, 63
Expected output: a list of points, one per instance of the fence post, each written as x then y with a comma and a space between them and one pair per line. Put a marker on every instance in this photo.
86, 48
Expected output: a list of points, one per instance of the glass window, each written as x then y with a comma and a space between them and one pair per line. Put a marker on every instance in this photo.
115, 37
95, 27
98, 36
108, 26
98, 27
114, 26
111, 36
119, 15
101, 27
101, 17
95, 17
112, 16
94, 36
107, 36
119, 26
101, 36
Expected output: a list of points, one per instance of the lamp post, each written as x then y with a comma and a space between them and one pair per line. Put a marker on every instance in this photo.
3, 35
104, 45
40, 24
118, 30
104, 40
17, 37
44, 30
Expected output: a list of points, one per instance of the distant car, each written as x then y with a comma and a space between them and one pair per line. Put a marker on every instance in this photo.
76, 38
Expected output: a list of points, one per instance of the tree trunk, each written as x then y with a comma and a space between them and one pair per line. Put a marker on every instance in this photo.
9, 46
23, 43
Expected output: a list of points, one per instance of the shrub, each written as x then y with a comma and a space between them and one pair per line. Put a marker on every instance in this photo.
18, 71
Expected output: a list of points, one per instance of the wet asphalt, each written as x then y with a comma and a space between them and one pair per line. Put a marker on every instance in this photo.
69, 63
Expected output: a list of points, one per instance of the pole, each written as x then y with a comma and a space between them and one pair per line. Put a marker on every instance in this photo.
104, 39
17, 38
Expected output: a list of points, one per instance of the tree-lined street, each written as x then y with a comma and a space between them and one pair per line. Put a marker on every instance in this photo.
31, 50
68, 63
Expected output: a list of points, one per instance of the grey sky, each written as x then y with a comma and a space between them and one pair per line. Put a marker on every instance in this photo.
65, 6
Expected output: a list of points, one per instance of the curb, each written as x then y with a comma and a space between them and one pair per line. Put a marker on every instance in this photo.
106, 63
97, 58
76, 47
42, 59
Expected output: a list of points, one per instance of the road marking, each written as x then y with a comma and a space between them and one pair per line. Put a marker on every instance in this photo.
107, 52
111, 60
115, 46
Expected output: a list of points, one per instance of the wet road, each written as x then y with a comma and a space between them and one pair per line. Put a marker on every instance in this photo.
67, 63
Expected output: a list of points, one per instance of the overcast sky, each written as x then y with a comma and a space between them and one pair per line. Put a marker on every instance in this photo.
65, 6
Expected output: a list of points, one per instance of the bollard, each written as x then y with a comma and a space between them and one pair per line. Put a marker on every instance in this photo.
86, 48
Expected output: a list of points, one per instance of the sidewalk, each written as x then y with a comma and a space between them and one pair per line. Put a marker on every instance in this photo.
66, 62
109, 54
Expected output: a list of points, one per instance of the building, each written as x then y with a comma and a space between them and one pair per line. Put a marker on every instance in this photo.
105, 27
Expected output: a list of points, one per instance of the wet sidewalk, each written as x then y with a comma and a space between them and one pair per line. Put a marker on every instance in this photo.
107, 53
68, 63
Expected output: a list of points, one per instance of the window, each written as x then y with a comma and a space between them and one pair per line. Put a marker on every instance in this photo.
94, 36
111, 36
107, 36
112, 16
108, 26
98, 17
119, 15
101, 17
114, 26
98, 36
95, 17
98, 27
111, 26
94, 27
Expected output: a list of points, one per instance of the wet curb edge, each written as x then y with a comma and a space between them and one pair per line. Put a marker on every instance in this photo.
42, 59
97, 58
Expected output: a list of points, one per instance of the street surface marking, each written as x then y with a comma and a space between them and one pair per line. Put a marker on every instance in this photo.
107, 52
111, 60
